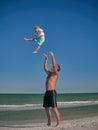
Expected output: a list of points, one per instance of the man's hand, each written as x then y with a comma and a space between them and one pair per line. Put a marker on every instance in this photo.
51, 54
45, 57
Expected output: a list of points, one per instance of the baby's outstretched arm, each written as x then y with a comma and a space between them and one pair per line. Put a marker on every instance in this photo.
28, 39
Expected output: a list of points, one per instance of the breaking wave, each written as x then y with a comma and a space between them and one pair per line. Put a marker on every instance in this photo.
40, 106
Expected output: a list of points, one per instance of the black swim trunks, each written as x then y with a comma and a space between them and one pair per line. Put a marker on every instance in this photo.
50, 99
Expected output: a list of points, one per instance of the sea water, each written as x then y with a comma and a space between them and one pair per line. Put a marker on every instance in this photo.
29, 108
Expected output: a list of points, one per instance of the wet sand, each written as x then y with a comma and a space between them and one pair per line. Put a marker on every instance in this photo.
85, 123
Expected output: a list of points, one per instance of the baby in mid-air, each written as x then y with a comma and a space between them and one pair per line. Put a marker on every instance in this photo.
40, 38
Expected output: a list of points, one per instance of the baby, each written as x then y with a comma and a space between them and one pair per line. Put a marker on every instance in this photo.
40, 38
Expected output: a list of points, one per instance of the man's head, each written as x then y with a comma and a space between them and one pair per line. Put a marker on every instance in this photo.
57, 67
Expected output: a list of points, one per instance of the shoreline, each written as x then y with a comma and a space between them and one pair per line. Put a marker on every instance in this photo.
80, 123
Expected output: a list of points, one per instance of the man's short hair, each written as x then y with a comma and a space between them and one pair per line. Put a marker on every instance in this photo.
59, 68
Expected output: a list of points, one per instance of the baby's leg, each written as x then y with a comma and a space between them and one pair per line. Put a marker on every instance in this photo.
36, 50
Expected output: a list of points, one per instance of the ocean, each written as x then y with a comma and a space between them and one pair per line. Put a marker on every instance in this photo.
20, 108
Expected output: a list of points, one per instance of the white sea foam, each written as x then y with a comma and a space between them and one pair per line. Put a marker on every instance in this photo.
40, 106
21, 107
76, 103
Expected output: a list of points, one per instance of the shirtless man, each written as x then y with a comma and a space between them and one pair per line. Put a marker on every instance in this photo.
50, 94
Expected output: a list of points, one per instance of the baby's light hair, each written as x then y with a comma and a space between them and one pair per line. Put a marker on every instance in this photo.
36, 27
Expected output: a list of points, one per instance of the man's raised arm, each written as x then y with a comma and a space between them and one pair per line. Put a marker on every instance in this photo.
53, 59
46, 63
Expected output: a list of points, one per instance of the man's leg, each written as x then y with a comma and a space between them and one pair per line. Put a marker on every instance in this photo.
48, 112
56, 112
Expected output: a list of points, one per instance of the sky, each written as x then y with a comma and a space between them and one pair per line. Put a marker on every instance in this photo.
71, 31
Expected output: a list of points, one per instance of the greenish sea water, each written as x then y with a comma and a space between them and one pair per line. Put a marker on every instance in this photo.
16, 108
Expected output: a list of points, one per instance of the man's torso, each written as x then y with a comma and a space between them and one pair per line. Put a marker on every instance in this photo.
51, 81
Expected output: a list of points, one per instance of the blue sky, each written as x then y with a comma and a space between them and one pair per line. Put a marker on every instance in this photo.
71, 29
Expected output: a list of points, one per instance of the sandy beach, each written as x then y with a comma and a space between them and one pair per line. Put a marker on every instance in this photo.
85, 123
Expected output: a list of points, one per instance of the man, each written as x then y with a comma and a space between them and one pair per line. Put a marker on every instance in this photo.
50, 95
